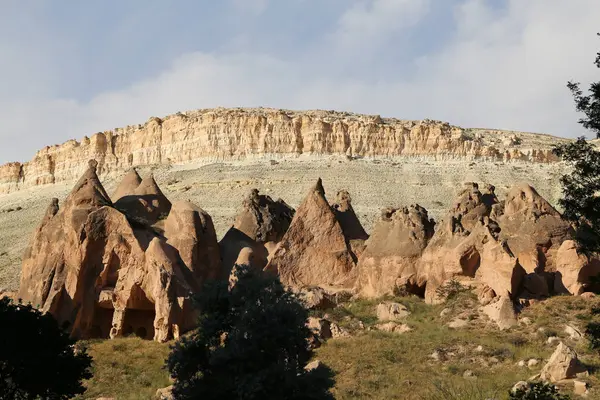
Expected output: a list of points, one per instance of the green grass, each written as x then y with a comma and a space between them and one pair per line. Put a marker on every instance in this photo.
377, 365
126, 369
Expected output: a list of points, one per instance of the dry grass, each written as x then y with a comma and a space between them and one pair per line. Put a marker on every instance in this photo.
378, 365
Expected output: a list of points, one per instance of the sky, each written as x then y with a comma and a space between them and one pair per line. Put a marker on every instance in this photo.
71, 68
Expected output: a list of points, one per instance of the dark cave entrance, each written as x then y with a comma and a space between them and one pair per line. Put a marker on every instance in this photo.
102, 323
139, 315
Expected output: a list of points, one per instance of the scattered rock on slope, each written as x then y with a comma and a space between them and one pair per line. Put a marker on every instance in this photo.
563, 364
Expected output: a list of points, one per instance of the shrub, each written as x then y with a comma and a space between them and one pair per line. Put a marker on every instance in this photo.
38, 360
251, 343
537, 391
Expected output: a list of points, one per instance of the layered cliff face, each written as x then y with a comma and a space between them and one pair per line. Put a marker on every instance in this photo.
232, 134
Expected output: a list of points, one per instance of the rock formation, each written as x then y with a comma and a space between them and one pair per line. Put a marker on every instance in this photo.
574, 269
102, 276
220, 134
191, 231
466, 244
314, 250
146, 204
532, 228
390, 258
258, 227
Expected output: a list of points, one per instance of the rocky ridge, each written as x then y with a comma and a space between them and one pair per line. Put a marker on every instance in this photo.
210, 135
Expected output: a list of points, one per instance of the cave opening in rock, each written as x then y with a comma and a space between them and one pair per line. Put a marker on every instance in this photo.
102, 323
470, 262
139, 315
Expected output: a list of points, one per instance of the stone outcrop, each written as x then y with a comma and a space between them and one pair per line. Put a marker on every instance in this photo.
574, 269
466, 244
102, 276
390, 258
532, 228
502, 312
258, 228
563, 364
314, 250
222, 134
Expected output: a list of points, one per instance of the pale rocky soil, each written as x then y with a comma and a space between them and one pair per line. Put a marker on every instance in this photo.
220, 187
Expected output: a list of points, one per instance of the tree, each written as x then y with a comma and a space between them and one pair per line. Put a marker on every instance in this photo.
590, 104
251, 343
38, 360
581, 188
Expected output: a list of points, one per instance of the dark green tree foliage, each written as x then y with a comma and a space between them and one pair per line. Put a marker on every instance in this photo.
37, 359
589, 104
538, 391
251, 344
581, 203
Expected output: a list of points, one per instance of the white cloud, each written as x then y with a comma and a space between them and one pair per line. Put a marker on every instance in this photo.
503, 69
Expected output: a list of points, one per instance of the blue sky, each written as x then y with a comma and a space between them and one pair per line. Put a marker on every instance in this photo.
73, 68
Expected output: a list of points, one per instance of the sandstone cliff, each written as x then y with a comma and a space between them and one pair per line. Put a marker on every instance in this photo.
231, 134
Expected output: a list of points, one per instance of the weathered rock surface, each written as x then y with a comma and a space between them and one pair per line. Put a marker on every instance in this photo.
190, 230
391, 311
532, 228
390, 258
574, 269
146, 204
314, 250
100, 276
220, 134
467, 244
563, 364
502, 312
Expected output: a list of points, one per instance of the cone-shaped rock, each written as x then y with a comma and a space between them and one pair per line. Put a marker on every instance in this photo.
147, 205
128, 185
314, 250
87, 267
533, 229
261, 220
393, 250
191, 231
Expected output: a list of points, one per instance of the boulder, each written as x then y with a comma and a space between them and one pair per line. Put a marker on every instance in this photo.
314, 250
502, 312
390, 311
320, 327
563, 364
574, 269
316, 298
393, 327
165, 393
101, 277
190, 230
389, 260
